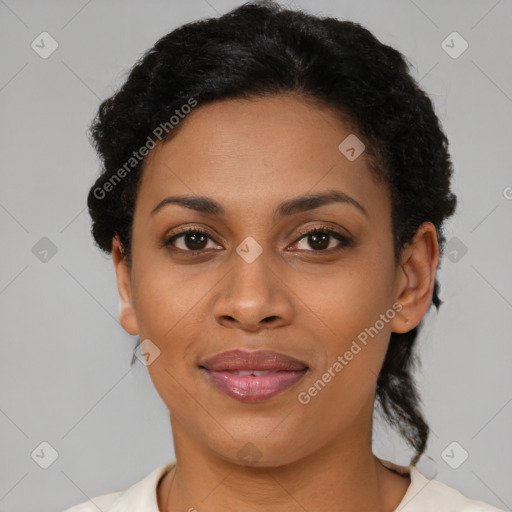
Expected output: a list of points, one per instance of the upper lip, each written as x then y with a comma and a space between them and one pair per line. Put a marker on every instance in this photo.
240, 360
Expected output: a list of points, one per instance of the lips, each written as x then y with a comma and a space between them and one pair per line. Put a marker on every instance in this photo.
261, 360
253, 376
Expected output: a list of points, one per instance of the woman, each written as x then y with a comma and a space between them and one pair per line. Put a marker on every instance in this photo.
273, 195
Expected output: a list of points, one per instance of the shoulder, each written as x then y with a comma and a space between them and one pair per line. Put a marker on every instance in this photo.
139, 496
429, 495
426, 495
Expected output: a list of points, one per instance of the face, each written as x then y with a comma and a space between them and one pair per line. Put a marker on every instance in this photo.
245, 274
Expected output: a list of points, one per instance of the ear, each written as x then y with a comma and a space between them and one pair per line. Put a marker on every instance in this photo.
416, 278
127, 315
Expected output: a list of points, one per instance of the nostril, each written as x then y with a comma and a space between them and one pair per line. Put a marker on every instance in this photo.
269, 318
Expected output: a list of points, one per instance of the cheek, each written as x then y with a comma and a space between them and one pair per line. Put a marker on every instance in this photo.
163, 297
352, 311
164, 312
167, 314
355, 339
350, 297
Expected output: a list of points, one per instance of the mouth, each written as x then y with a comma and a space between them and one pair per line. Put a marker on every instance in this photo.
254, 385
253, 376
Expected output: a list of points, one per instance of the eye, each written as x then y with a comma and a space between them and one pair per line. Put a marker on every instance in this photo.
191, 240
321, 240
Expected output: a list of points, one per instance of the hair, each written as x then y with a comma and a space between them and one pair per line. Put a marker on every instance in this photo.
262, 49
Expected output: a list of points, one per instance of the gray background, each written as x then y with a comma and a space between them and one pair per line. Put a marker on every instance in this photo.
65, 367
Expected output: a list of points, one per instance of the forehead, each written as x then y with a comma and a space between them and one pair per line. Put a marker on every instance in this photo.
255, 153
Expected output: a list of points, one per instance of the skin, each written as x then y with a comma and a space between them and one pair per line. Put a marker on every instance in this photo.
306, 302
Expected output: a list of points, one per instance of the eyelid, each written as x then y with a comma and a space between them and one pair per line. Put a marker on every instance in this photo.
183, 230
337, 230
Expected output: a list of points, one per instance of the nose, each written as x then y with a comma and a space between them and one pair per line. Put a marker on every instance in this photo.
253, 297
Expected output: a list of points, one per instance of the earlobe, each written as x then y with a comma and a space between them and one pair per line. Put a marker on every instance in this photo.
416, 278
127, 316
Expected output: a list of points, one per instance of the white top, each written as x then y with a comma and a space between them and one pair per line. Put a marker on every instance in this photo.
423, 495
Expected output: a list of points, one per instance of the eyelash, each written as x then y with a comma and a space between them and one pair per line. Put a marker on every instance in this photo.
345, 241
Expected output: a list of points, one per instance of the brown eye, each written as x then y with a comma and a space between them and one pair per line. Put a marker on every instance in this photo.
322, 240
191, 240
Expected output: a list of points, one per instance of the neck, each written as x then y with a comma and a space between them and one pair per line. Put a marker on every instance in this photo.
342, 475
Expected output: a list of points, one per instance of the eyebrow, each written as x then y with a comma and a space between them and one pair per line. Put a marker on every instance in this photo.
299, 204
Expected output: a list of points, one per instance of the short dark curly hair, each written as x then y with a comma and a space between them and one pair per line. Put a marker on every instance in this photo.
261, 49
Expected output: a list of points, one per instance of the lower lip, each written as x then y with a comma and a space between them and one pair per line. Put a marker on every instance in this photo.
253, 388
